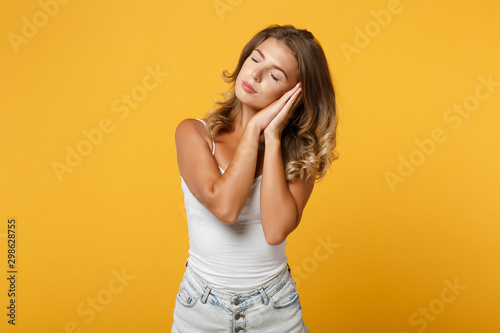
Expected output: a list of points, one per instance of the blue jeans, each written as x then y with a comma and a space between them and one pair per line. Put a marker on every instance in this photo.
273, 307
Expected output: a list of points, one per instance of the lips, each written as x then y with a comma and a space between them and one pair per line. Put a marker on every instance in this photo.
248, 87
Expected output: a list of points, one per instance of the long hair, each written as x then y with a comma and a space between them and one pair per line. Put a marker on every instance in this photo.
309, 138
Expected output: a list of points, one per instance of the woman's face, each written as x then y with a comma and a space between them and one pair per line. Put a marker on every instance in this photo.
269, 72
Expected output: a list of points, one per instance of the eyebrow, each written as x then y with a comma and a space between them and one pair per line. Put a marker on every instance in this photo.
275, 66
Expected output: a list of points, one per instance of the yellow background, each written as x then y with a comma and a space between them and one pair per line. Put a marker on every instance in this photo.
120, 209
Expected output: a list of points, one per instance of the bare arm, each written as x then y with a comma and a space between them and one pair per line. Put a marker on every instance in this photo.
282, 202
223, 195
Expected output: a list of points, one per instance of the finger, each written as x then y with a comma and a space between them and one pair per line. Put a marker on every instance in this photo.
292, 91
286, 112
281, 104
291, 103
297, 101
286, 96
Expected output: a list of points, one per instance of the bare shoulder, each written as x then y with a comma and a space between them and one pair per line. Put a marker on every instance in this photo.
189, 127
301, 184
196, 163
301, 190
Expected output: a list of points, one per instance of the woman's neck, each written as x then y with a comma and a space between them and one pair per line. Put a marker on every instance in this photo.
243, 115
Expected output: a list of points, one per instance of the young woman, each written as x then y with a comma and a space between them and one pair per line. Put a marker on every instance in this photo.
247, 171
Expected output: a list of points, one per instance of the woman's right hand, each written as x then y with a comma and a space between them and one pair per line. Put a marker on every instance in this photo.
283, 104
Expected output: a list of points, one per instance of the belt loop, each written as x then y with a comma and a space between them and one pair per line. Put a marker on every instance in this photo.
264, 296
205, 295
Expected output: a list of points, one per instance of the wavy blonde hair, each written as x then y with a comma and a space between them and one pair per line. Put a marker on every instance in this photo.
309, 138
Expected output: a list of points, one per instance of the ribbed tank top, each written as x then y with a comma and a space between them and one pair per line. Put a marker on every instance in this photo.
232, 258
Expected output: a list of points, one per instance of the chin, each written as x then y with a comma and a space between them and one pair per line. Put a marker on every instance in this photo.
245, 99
251, 103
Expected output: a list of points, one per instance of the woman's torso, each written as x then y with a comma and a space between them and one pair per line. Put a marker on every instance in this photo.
231, 257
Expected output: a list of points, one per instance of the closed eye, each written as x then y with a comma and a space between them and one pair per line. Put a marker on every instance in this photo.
272, 75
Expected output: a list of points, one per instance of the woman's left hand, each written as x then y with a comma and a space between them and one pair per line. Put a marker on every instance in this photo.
279, 122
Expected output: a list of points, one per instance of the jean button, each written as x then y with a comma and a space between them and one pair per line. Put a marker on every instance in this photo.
238, 316
237, 302
239, 329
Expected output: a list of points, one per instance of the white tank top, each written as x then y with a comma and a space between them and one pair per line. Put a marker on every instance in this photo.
231, 258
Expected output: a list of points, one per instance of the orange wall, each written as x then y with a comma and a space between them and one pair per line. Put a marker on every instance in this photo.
402, 235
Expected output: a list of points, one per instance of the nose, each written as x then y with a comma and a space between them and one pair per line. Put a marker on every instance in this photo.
256, 75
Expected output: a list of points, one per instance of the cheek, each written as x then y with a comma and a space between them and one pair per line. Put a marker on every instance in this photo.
268, 98
247, 67
276, 93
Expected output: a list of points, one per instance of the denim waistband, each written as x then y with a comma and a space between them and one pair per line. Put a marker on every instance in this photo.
224, 299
